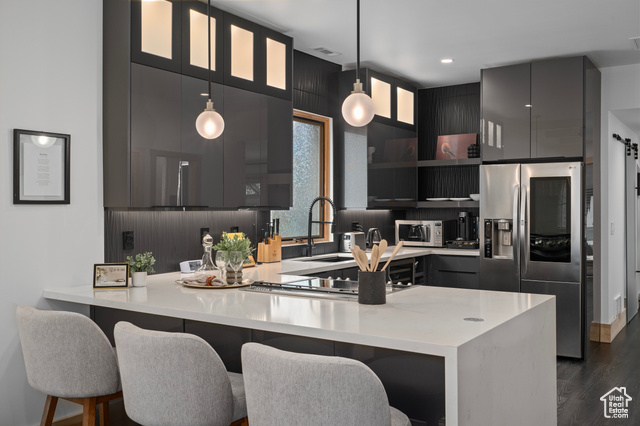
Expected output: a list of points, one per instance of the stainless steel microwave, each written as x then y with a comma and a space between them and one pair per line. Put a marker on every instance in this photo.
425, 233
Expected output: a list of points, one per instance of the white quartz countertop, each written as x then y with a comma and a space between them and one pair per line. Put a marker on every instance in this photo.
420, 319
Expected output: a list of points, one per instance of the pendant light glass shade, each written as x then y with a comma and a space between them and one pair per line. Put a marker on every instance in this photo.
358, 109
209, 123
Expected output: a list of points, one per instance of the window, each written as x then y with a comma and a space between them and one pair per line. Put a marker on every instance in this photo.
311, 178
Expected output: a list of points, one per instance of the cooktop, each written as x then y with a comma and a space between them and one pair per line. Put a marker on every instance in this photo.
316, 287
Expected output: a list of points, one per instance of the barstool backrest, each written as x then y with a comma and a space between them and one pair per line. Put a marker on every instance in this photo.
172, 378
285, 388
66, 354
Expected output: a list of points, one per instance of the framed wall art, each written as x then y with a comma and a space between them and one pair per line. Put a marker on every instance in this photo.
40, 167
110, 275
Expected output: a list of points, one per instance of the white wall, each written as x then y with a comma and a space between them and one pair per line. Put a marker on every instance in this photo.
620, 91
50, 79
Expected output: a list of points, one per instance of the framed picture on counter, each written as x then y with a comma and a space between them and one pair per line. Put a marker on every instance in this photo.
40, 167
110, 275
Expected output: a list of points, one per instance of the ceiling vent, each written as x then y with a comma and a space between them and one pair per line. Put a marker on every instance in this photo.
636, 42
326, 51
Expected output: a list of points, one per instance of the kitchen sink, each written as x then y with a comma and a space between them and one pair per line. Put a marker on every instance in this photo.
326, 259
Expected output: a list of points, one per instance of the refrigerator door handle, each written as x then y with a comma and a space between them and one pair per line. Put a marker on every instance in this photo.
514, 233
524, 238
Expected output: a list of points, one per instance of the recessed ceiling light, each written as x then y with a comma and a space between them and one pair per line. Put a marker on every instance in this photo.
204, 94
446, 60
527, 106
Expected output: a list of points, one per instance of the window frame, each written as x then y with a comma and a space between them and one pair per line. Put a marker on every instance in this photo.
325, 122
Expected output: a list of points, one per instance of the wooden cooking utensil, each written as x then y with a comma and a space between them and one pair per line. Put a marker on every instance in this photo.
374, 256
363, 259
357, 259
395, 251
382, 248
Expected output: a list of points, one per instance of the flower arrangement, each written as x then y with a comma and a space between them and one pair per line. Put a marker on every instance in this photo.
239, 242
143, 262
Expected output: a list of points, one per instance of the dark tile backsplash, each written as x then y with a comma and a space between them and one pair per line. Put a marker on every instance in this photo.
174, 236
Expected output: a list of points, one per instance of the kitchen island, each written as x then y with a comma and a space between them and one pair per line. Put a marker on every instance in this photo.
491, 353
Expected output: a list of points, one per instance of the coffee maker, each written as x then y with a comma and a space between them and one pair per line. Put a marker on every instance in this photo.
467, 232
465, 227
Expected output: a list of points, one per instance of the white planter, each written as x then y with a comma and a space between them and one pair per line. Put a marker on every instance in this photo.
139, 279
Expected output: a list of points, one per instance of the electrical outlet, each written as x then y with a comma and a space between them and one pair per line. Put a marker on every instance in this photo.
203, 232
127, 240
618, 301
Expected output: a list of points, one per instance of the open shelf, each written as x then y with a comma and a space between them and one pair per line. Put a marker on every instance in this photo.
443, 163
447, 204
393, 165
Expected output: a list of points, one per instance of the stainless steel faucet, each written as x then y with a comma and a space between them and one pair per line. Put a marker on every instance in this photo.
310, 244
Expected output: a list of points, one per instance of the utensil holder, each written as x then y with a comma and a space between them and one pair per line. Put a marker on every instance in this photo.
372, 288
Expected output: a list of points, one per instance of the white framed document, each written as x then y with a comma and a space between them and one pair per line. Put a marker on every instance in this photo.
40, 167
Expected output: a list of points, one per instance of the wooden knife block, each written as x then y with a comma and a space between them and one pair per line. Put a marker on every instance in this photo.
272, 252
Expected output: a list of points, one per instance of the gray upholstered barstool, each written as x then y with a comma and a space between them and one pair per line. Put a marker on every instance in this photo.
176, 379
67, 356
285, 388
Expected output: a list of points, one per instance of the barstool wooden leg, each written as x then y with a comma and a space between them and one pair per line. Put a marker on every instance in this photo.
49, 410
104, 413
89, 411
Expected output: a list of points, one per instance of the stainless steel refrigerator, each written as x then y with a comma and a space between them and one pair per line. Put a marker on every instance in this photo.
531, 238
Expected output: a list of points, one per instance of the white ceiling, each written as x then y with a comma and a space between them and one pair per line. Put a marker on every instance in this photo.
407, 38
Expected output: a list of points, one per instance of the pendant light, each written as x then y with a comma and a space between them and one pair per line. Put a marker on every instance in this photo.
209, 123
358, 109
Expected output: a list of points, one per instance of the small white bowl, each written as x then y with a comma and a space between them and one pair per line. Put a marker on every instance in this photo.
475, 197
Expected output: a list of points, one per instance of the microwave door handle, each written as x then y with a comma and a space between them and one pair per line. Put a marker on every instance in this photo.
524, 237
428, 232
514, 229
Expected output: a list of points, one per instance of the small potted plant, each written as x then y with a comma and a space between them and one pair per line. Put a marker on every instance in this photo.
239, 242
140, 266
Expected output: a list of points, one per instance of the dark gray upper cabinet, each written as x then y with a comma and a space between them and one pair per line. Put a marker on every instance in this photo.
171, 164
242, 147
257, 142
203, 158
552, 125
505, 125
155, 136
277, 180
557, 108
153, 155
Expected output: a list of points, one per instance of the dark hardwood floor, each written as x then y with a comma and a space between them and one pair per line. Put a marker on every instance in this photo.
582, 383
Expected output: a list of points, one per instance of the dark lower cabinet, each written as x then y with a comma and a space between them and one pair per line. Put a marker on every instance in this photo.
107, 318
299, 344
225, 340
453, 271
415, 383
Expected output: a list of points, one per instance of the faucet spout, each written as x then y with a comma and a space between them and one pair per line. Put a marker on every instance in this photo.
310, 244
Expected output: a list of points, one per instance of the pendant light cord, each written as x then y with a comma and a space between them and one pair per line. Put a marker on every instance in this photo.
209, 44
358, 41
